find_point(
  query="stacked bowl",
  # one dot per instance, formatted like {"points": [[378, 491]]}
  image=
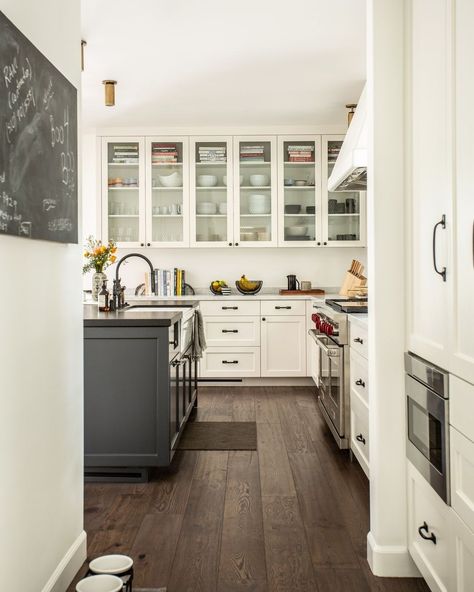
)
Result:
{"points": [[259, 203]]}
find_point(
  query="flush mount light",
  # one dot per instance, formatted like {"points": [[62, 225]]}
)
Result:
{"points": [[350, 115], [83, 44], [109, 92]]}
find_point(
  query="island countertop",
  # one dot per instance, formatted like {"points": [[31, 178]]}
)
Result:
{"points": [[127, 317]]}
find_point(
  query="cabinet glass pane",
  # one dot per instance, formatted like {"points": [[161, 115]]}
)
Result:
{"points": [[343, 206], [211, 191], [167, 191], [123, 194], [255, 191], [299, 190]]}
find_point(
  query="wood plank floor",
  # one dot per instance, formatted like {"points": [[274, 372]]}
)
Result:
{"points": [[292, 516]]}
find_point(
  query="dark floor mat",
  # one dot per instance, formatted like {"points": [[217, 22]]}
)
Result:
{"points": [[219, 435]]}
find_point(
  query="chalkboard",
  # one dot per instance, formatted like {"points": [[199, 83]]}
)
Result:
{"points": [[38, 143]]}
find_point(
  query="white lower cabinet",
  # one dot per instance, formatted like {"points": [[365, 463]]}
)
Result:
{"points": [[461, 559], [428, 532], [283, 346], [230, 331], [360, 440], [462, 477], [230, 362]]}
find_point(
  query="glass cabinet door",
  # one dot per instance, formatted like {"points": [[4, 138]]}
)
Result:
{"points": [[255, 179], [211, 191], [299, 191], [123, 191], [345, 210], [167, 192]]}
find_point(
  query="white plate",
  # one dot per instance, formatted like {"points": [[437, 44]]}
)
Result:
{"points": [[111, 564], [100, 583]]}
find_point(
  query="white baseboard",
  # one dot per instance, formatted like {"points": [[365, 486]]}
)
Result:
{"points": [[69, 565], [390, 561], [288, 381]]}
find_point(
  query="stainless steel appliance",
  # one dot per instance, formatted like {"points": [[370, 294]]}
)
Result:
{"points": [[331, 335], [427, 393]]}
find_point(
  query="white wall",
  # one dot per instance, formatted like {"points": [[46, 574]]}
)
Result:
{"points": [[41, 435]]}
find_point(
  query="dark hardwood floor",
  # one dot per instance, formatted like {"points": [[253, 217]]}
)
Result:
{"points": [[293, 516]]}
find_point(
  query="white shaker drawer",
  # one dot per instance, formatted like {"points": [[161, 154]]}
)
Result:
{"points": [[461, 406], [229, 307], [230, 331], [428, 531], [230, 362], [462, 554], [358, 339], [284, 307], [360, 440], [462, 476], [359, 375]]}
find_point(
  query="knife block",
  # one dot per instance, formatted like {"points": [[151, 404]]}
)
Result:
{"points": [[352, 282]]}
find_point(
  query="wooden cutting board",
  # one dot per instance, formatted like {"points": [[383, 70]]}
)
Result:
{"points": [[313, 292]]}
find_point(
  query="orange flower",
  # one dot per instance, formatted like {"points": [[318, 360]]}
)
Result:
{"points": [[113, 250], [113, 259], [86, 254], [103, 248]]}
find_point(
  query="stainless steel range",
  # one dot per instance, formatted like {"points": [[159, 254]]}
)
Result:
{"points": [[331, 333]]}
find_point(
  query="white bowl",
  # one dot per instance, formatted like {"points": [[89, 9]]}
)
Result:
{"points": [[111, 564], [259, 209], [259, 180], [100, 583], [248, 236], [173, 180], [223, 208], [224, 180], [207, 180], [259, 203], [296, 230], [206, 207]]}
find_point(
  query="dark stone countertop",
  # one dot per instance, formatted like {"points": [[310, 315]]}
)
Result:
{"points": [[156, 317]]}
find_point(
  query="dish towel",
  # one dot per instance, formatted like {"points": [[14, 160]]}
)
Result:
{"points": [[199, 338]]}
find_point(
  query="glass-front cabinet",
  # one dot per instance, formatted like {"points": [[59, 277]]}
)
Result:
{"points": [[167, 195], [123, 178], [344, 213], [255, 191], [211, 191], [299, 184]]}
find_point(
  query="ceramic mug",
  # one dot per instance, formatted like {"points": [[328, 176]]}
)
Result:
{"points": [[164, 210], [175, 209], [305, 285]]}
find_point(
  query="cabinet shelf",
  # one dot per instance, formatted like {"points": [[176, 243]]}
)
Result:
{"points": [[211, 215], [253, 164], [343, 215], [211, 164], [167, 215], [166, 164], [311, 164], [123, 188], [123, 215], [216, 187], [167, 188], [255, 187], [300, 215], [255, 215], [123, 164], [296, 188]]}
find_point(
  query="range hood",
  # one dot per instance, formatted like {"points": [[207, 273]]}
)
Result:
{"points": [[350, 171]]}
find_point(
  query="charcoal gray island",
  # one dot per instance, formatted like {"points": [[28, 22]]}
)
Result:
{"points": [[140, 387]]}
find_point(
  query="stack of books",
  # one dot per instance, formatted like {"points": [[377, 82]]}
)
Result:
{"points": [[168, 282], [164, 153], [125, 154], [300, 153], [333, 152], [254, 153], [212, 154]]}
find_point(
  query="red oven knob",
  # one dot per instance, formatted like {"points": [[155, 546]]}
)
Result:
{"points": [[330, 329]]}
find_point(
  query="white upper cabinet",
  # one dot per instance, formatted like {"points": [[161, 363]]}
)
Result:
{"points": [[462, 274], [429, 180], [123, 191], [299, 191], [211, 194], [255, 191], [343, 213], [167, 192]]}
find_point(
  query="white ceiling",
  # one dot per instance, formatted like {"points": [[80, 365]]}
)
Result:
{"points": [[222, 62]]}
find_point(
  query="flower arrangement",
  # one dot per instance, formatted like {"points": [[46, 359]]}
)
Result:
{"points": [[99, 256]]}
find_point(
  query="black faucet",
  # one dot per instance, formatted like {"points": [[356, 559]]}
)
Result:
{"points": [[152, 277]]}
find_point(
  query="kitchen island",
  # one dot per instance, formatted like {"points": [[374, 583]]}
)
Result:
{"points": [[140, 387]]}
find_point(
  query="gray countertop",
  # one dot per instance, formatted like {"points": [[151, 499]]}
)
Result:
{"points": [[128, 318]]}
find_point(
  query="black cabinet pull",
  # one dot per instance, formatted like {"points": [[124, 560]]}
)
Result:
{"points": [[441, 223], [360, 438], [230, 308], [230, 330], [360, 382], [282, 307], [324, 243], [230, 362], [428, 537], [142, 244], [358, 340], [230, 244], [264, 319], [236, 244], [319, 244], [148, 244]]}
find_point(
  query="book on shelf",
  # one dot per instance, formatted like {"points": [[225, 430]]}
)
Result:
{"points": [[125, 147], [169, 282]]}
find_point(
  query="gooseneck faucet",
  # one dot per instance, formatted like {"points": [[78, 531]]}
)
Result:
{"points": [[117, 277]]}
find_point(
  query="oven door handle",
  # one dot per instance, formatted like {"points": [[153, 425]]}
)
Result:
{"points": [[332, 352]]}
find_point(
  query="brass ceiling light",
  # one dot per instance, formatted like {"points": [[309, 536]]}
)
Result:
{"points": [[83, 45], [350, 115], [109, 92]]}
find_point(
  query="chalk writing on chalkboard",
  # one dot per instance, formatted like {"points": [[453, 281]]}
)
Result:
{"points": [[38, 143]]}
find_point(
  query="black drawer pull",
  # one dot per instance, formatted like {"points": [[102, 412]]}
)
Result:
{"points": [[358, 340], [360, 382], [230, 308], [230, 330], [442, 271], [280, 307], [360, 438], [424, 528], [230, 362]]}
